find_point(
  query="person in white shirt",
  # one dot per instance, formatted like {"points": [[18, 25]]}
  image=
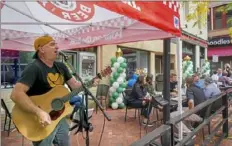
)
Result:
{"points": [[215, 77]]}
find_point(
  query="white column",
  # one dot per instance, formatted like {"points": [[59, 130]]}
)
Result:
{"points": [[206, 53], [179, 77], [197, 57], [152, 64]]}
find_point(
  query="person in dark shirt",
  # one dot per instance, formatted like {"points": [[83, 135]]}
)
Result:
{"points": [[195, 94], [39, 77], [138, 99]]}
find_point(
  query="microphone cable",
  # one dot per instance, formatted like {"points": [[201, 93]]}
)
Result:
{"points": [[103, 128]]}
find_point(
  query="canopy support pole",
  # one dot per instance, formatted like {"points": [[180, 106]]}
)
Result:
{"points": [[179, 79], [166, 139]]}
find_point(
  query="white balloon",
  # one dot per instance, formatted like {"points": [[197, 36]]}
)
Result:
{"points": [[114, 105], [119, 100], [120, 95], [120, 59], [112, 89], [116, 65], [120, 80], [115, 85], [123, 75]]}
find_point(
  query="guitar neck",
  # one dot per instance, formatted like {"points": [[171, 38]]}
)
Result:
{"points": [[77, 91]]}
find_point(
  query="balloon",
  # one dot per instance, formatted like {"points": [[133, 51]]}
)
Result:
{"points": [[119, 90], [119, 100], [114, 105], [123, 85], [111, 81], [123, 75], [112, 99], [120, 80], [116, 65], [131, 82], [113, 60], [115, 85], [116, 75], [121, 105], [112, 89], [120, 95], [120, 59], [123, 65], [120, 70], [115, 95]]}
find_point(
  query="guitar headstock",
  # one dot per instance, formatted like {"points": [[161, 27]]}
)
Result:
{"points": [[107, 71]]}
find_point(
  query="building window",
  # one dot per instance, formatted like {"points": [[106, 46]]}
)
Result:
{"points": [[136, 59], [218, 20]]}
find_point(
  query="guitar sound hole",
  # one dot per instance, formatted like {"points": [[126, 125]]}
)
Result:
{"points": [[56, 114]]}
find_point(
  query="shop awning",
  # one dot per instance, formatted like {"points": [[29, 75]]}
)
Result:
{"points": [[220, 51], [80, 24]]}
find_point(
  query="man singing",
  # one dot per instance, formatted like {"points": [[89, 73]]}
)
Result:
{"points": [[39, 77]]}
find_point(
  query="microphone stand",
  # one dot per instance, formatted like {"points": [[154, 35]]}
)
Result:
{"points": [[87, 93]]}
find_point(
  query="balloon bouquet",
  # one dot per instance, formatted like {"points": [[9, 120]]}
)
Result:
{"points": [[205, 70], [117, 80]]}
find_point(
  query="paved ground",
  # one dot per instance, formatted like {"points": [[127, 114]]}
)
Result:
{"points": [[116, 133]]}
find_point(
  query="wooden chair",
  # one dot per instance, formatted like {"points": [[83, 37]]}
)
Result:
{"points": [[102, 94]]}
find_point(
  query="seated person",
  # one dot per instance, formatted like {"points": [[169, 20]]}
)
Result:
{"points": [[137, 99], [215, 76], [226, 81], [173, 84], [194, 93], [211, 90], [151, 90], [197, 81]]}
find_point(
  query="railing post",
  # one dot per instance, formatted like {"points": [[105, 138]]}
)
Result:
{"points": [[225, 115]]}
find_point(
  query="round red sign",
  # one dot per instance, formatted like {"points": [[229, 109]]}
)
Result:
{"points": [[70, 10]]}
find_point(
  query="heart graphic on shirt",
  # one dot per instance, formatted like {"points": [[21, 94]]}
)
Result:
{"points": [[55, 79]]}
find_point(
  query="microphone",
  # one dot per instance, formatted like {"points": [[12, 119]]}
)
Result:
{"points": [[64, 55]]}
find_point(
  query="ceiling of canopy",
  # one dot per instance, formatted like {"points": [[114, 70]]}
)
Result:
{"points": [[76, 24]]}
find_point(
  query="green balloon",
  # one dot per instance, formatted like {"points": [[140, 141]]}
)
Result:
{"points": [[123, 85], [112, 80], [123, 65], [116, 75], [119, 90], [115, 95], [121, 105], [113, 60], [112, 100], [120, 70]]}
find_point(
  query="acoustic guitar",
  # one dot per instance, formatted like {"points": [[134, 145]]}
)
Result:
{"points": [[55, 102]]}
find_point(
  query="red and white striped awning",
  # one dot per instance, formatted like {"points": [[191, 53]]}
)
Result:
{"points": [[83, 24]]}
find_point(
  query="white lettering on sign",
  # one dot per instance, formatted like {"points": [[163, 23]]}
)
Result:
{"points": [[132, 4], [91, 40], [219, 42], [85, 8]]}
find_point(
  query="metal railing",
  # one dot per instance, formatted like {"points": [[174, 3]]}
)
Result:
{"points": [[149, 139]]}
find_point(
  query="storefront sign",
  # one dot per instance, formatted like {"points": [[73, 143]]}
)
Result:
{"points": [[215, 58], [220, 41]]}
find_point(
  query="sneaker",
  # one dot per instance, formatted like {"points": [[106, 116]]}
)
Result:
{"points": [[145, 123]]}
